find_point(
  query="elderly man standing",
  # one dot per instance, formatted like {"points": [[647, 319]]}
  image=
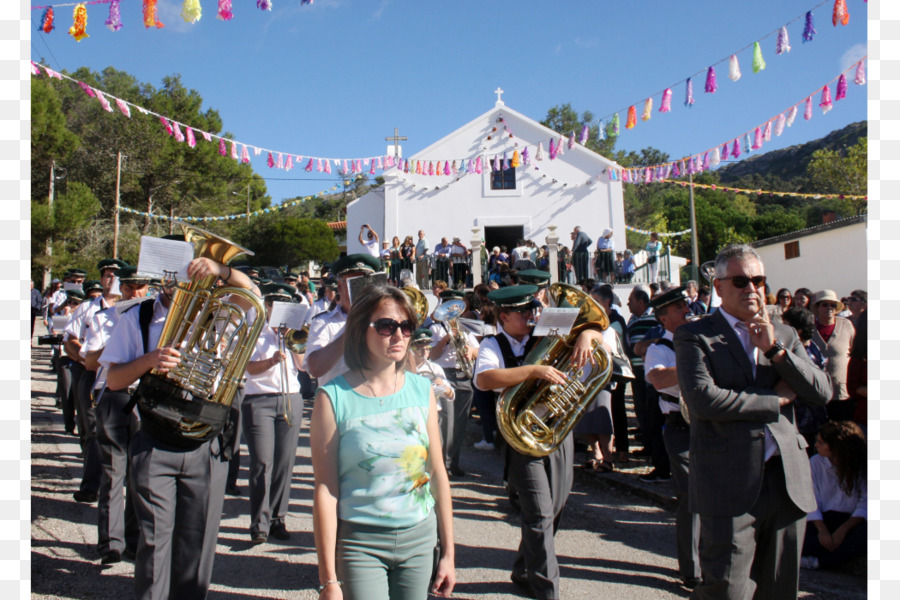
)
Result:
{"points": [[834, 337], [422, 260], [581, 254], [749, 476]]}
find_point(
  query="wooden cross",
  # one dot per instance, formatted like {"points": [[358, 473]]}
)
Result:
{"points": [[499, 92], [397, 138]]}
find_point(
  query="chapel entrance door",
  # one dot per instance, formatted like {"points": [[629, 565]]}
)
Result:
{"points": [[506, 235]]}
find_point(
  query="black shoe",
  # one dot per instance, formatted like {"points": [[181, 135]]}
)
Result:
{"points": [[113, 556], [456, 472], [258, 538], [129, 553], [521, 582], [655, 476], [279, 531], [690, 582], [233, 490], [86, 497]]}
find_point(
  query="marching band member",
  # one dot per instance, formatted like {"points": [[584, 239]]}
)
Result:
{"points": [[271, 437]]}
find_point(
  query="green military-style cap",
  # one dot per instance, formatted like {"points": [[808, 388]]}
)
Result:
{"points": [[74, 295], [534, 277], [110, 263], [277, 291], [328, 282], [78, 272], [92, 285], [513, 295], [669, 297], [452, 295], [128, 274], [355, 263], [423, 334], [291, 275]]}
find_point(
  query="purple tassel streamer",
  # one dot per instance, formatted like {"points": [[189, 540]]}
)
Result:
{"points": [[783, 44], [552, 149], [648, 175], [860, 78], [807, 111], [264, 4], [825, 102], [114, 20], [689, 93], [706, 160], [676, 172], [666, 104], [496, 165], [736, 149], [711, 85], [505, 162], [757, 139], [841, 88], [525, 157], [809, 31], [725, 151], [690, 167], [585, 134], [571, 140]]}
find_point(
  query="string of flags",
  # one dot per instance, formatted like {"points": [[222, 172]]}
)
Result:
{"points": [[191, 12], [748, 141], [610, 125], [658, 233], [815, 196]]}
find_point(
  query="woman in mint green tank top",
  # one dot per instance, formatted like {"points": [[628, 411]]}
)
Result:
{"points": [[382, 496]]}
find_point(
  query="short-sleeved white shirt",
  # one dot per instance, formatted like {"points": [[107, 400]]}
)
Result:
{"points": [[269, 381], [323, 331], [490, 356], [102, 325], [371, 246], [447, 359], [81, 317], [662, 357], [125, 342]]}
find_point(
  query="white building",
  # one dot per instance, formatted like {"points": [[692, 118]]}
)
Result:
{"points": [[828, 256], [572, 189]]}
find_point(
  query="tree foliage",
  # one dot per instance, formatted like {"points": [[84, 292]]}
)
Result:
{"points": [[67, 223], [565, 120], [842, 172], [285, 240]]}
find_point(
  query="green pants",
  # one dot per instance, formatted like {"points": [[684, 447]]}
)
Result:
{"points": [[380, 563]]}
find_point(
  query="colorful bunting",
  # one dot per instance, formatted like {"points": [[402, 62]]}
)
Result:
{"points": [[825, 102], [809, 30], [191, 11], [648, 109], [631, 121], [46, 24], [783, 45], [689, 93], [840, 14], [114, 20], [150, 20], [666, 104], [225, 13], [79, 16], [758, 62], [711, 85]]}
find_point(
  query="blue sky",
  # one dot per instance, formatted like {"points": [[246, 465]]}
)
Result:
{"points": [[333, 79]]}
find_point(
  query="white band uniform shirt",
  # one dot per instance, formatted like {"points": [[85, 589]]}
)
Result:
{"points": [[323, 331], [269, 381], [101, 328], [81, 317], [663, 357], [58, 298], [447, 359], [126, 343], [490, 356]]}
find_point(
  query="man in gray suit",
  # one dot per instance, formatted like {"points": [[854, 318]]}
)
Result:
{"points": [[749, 474]]}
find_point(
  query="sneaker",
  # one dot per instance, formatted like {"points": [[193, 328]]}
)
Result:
{"points": [[484, 445], [655, 476], [809, 562]]}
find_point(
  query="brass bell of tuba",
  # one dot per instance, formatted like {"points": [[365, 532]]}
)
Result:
{"points": [[419, 303], [535, 416], [215, 338]]}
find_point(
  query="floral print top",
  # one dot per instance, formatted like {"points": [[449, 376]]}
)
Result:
{"points": [[382, 455]]}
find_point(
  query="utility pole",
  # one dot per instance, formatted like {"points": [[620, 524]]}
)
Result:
{"points": [[116, 211], [695, 251], [49, 250], [248, 203]]}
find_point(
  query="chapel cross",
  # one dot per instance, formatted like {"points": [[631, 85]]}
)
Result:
{"points": [[397, 138], [499, 92]]}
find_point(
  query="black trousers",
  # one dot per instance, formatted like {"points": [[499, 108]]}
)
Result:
{"points": [[87, 429], [117, 526]]}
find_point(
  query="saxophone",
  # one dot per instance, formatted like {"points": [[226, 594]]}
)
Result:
{"points": [[535, 416]]}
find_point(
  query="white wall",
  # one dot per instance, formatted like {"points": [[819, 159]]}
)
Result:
{"points": [[833, 259]]}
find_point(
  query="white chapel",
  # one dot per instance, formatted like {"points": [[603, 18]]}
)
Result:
{"points": [[520, 192]]}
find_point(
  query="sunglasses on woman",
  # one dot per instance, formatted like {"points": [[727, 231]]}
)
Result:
{"points": [[387, 327], [741, 281]]}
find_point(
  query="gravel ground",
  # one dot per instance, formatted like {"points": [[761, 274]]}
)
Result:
{"points": [[616, 541]]}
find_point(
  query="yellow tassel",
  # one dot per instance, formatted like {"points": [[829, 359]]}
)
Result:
{"points": [[80, 17]]}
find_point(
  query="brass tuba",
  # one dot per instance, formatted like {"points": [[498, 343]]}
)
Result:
{"points": [[535, 416], [419, 303], [215, 340], [448, 313]]}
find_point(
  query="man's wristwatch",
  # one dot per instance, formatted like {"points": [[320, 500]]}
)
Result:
{"points": [[775, 349]]}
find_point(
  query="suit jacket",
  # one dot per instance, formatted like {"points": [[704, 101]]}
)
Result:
{"points": [[730, 409]]}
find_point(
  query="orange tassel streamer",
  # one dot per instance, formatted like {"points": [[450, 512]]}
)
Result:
{"points": [[632, 117], [150, 19], [80, 17], [516, 161], [840, 14]]}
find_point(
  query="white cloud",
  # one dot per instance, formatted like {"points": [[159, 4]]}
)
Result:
{"points": [[583, 43], [853, 56], [169, 14]]}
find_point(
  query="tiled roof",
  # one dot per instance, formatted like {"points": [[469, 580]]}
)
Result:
{"points": [[809, 231]]}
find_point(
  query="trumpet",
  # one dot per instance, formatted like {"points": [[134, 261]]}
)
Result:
{"points": [[293, 341]]}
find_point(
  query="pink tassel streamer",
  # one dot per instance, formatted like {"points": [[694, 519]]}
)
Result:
{"points": [[225, 13], [189, 136], [104, 102], [206, 136], [807, 111], [289, 163], [825, 103], [234, 151], [666, 104], [689, 93], [841, 92], [279, 164], [319, 167], [767, 131], [447, 167], [757, 139], [711, 85], [309, 166], [860, 78], [478, 168], [222, 149], [779, 124], [168, 127], [572, 140], [87, 89], [245, 154], [179, 137], [123, 107], [736, 149], [328, 166]]}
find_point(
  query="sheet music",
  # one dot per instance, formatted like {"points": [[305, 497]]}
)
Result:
{"points": [[159, 256], [115, 290], [289, 314], [60, 322], [69, 286], [560, 319], [357, 285]]}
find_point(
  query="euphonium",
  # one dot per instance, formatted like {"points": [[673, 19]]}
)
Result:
{"points": [[419, 303], [535, 416], [215, 340], [448, 312]]}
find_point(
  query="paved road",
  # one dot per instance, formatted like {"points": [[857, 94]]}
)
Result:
{"points": [[617, 539]]}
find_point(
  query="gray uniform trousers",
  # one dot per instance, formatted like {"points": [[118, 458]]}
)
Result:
{"points": [[677, 437], [461, 407], [87, 428], [273, 449], [117, 528], [64, 390], [178, 500], [543, 486], [234, 465]]}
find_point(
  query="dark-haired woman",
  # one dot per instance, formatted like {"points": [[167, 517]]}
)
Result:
{"points": [[382, 496], [802, 297], [836, 531]]}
